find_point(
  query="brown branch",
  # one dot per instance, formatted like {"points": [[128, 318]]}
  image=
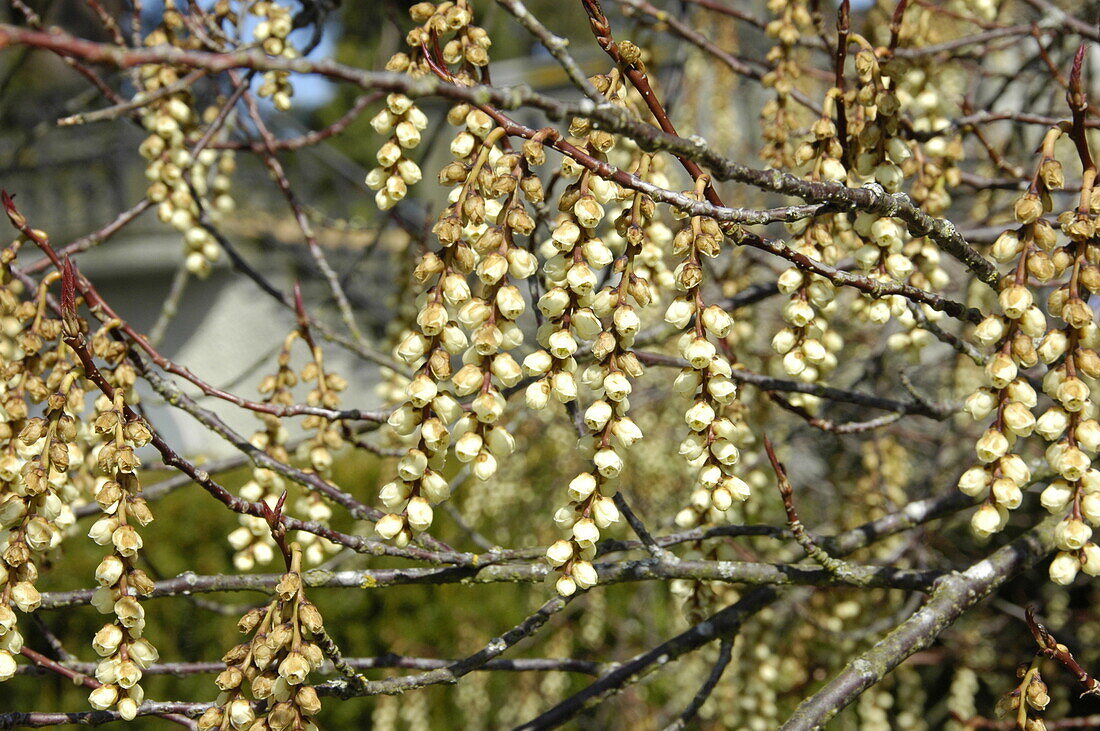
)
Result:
{"points": [[841, 569], [1050, 647]]}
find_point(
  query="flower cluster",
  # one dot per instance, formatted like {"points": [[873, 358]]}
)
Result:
{"points": [[126, 652], [490, 316], [1070, 424], [877, 152], [575, 253], [403, 121], [252, 541], [272, 33], [274, 665], [639, 225], [1023, 703], [175, 175], [464, 46], [1002, 474], [807, 343], [327, 437], [921, 86], [474, 216], [611, 431], [709, 447], [37, 453], [877, 148], [791, 20]]}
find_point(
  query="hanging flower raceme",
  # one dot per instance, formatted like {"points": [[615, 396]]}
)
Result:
{"points": [[709, 447], [121, 643], [923, 88], [490, 316], [807, 343], [326, 438], [33, 514], [448, 25], [575, 254], [36, 453], [181, 183], [429, 410], [272, 32], [877, 153], [1002, 474], [252, 541], [791, 21], [611, 431], [464, 50], [1070, 425], [403, 121], [273, 666]]}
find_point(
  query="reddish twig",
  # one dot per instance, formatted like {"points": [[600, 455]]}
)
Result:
{"points": [[1050, 647], [835, 566]]}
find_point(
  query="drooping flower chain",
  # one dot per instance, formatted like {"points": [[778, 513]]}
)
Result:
{"points": [[126, 652], [37, 452], [274, 665]]}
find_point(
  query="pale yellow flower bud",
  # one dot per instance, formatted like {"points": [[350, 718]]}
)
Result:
{"points": [[699, 352], [1007, 493], [736, 487], [626, 432], [559, 553], [1063, 569], [986, 521], [589, 213], [1071, 535], [617, 386], [564, 387], [700, 416], [1019, 419], [389, 526], [488, 406], [419, 514], [26, 597], [679, 313], [1071, 463], [990, 330], [975, 482], [537, 395], [1090, 559], [784, 340], [565, 586], [1001, 370], [597, 415], [725, 452], [109, 570], [605, 512], [1088, 435], [102, 697], [584, 574], [1053, 346], [412, 465], [585, 530], [484, 466], [1057, 496], [608, 462], [1090, 507], [1015, 300]]}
